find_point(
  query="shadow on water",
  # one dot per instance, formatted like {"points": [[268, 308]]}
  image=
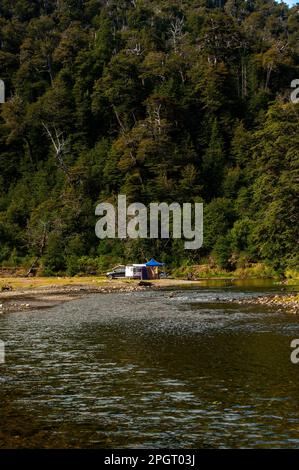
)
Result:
{"points": [[153, 369]]}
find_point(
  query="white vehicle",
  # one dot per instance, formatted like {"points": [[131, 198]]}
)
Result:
{"points": [[136, 271]]}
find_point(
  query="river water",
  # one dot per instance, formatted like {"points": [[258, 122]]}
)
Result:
{"points": [[183, 368]]}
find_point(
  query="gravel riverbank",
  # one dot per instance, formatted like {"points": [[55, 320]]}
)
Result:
{"points": [[18, 300], [289, 302], [24, 294]]}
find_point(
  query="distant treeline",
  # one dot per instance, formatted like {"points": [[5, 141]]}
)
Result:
{"points": [[161, 100]]}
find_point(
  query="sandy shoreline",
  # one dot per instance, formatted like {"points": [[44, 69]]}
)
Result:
{"points": [[22, 294], [43, 297], [30, 294]]}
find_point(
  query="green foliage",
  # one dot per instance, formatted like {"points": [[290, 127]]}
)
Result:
{"points": [[161, 100], [222, 252]]}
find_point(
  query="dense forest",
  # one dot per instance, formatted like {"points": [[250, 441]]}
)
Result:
{"points": [[161, 100]]}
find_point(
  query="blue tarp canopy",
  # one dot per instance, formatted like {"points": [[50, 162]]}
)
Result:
{"points": [[154, 263]]}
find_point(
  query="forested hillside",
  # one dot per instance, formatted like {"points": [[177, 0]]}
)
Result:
{"points": [[169, 100]]}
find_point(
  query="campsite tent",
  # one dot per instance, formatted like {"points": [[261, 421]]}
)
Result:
{"points": [[153, 268], [154, 264]]}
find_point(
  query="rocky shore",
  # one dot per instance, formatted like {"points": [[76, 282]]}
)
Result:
{"points": [[283, 302], [19, 300], [21, 294]]}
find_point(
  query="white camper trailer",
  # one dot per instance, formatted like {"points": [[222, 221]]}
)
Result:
{"points": [[135, 271]]}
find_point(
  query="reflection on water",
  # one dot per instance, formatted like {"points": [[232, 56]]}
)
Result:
{"points": [[154, 369]]}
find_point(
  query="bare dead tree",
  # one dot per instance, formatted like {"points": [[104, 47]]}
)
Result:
{"points": [[136, 49], [244, 79], [41, 245], [59, 144], [269, 72], [176, 32], [155, 118], [121, 125], [279, 52], [124, 133]]}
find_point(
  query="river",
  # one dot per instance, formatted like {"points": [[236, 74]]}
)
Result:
{"points": [[180, 369]]}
